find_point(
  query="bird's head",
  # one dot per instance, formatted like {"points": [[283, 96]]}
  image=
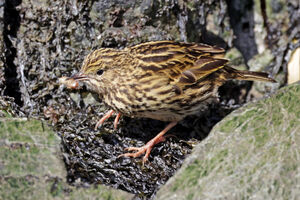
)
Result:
{"points": [[96, 69]]}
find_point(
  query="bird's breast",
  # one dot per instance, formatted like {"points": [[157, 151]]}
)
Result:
{"points": [[158, 100]]}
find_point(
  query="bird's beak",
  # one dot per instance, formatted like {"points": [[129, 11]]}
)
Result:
{"points": [[78, 77], [73, 82]]}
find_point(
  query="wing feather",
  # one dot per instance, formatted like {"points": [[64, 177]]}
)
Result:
{"points": [[183, 63]]}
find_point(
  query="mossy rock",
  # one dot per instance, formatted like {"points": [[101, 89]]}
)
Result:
{"points": [[31, 165], [251, 154]]}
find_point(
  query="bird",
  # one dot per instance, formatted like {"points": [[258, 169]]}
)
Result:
{"points": [[161, 80]]}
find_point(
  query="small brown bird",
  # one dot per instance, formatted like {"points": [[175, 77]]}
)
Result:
{"points": [[162, 80]]}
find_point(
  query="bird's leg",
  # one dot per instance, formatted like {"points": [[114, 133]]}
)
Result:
{"points": [[117, 120], [147, 147], [105, 117]]}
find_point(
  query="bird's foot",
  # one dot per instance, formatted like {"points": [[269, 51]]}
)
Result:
{"points": [[116, 121], [147, 147], [106, 116], [144, 149]]}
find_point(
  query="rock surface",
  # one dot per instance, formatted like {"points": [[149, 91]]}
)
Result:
{"points": [[44, 40], [253, 153], [31, 165]]}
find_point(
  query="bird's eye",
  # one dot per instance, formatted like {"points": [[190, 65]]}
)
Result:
{"points": [[100, 72]]}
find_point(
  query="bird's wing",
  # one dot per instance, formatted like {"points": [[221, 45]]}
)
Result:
{"points": [[183, 63]]}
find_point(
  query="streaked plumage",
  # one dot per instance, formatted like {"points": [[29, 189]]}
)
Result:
{"points": [[162, 80]]}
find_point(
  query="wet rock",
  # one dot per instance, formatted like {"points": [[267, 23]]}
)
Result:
{"points": [[251, 153]]}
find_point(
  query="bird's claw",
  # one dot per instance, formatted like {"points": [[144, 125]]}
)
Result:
{"points": [[139, 151], [105, 117], [98, 125]]}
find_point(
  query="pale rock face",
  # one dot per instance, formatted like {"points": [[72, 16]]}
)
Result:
{"points": [[251, 153]]}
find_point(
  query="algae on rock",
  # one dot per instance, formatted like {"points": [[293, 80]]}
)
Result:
{"points": [[31, 165], [251, 153]]}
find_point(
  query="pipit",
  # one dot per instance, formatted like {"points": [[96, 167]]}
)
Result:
{"points": [[162, 80]]}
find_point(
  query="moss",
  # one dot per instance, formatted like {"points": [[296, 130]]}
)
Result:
{"points": [[244, 127], [56, 188], [199, 169], [261, 136], [229, 126], [190, 196], [253, 152], [31, 167], [16, 187], [248, 114]]}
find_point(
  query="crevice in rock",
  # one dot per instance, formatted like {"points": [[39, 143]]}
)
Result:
{"points": [[11, 26], [241, 16]]}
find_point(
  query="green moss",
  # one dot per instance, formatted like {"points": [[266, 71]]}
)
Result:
{"points": [[248, 114], [190, 196], [230, 125], [261, 136], [31, 169], [20, 160], [16, 187], [57, 188], [253, 152], [244, 127], [199, 169]]}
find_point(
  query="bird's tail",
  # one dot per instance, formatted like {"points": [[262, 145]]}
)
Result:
{"points": [[248, 75]]}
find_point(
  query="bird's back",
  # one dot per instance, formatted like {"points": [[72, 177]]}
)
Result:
{"points": [[164, 82], [168, 80]]}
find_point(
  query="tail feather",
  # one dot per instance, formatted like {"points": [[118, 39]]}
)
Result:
{"points": [[249, 75]]}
